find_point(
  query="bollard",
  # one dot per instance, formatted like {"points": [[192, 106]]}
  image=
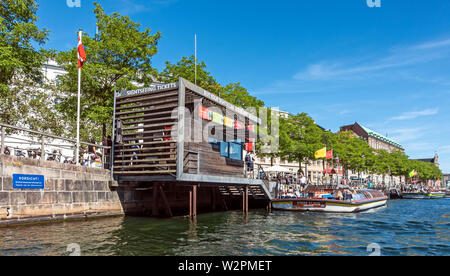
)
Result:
{"points": [[3, 141], [42, 148], [103, 158]]}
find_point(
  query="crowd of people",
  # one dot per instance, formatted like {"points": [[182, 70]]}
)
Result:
{"points": [[296, 192], [90, 156], [418, 188]]}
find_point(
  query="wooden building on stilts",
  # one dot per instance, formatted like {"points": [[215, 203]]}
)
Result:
{"points": [[179, 149]]}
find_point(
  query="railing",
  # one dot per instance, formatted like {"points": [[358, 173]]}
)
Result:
{"points": [[259, 174], [40, 153]]}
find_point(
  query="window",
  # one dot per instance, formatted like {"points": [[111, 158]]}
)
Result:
{"points": [[58, 79], [232, 150], [224, 152], [235, 151]]}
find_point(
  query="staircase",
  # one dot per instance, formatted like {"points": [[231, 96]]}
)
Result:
{"points": [[259, 191]]}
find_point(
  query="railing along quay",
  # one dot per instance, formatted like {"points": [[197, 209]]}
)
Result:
{"points": [[42, 143]]}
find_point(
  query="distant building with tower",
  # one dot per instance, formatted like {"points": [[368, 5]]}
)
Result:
{"points": [[434, 160]]}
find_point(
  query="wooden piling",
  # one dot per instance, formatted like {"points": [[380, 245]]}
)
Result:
{"points": [[213, 199], [245, 200], [155, 205], [166, 202], [193, 202]]}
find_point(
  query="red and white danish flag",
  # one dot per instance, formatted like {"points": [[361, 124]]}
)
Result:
{"points": [[81, 52]]}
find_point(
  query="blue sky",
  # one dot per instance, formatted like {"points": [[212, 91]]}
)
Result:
{"points": [[338, 60]]}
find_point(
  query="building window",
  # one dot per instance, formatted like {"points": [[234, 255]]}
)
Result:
{"points": [[58, 79]]}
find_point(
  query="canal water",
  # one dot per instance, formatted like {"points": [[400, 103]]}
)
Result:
{"points": [[405, 227]]}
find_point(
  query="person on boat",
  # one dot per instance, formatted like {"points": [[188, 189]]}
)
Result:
{"points": [[277, 190], [348, 195], [339, 195], [302, 180]]}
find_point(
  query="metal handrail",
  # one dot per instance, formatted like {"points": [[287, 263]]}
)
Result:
{"points": [[43, 135]]}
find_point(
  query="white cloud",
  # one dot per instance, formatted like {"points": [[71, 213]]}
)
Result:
{"points": [[433, 44], [403, 135], [345, 112], [420, 147], [444, 149], [397, 58], [415, 114], [129, 7]]}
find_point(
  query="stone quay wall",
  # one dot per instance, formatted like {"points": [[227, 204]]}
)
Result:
{"points": [[71, 192]]}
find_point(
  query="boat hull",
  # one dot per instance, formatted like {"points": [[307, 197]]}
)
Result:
{"points": [[327, 206], [424, 196]]}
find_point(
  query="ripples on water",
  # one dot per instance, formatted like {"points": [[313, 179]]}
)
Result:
{"points": [[406, 227]]}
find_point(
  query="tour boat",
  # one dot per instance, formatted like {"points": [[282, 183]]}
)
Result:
{"points": [[431, 195], [323, 200]]}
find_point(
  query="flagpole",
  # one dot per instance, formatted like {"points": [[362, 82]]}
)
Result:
{"points": [[195, 59], [78, 112]]}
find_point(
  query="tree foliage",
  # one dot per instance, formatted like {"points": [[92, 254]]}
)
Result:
{"points": [[300, 138], [118, 58], [234, 93], [20, 62], [355, 154]]}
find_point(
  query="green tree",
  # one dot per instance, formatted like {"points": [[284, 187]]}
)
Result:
{"points": [[427, 171], [118, 58], [399, 166], [300, 138], [233, 92], [20, 62], [352, 151], [185, 68], [239, 96], [267, 145]]}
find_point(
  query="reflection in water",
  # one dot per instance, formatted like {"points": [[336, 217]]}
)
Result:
{"points": [[408, 227]]}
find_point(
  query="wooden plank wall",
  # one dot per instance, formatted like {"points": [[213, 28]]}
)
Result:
{"points": [[147, 147], [211, 163]]}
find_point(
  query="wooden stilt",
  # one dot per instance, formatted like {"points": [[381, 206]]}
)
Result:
{"points": [[193, 202], [155, 201], [245, 200], [222, 201], [190, 203], [213, 199], [224, 204], [166, 202]]}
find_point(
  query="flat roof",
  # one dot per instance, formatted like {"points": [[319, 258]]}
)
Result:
{"points": [[192, 87]]}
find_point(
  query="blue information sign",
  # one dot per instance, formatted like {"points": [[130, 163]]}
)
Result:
{"points": [[23, 181]]}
